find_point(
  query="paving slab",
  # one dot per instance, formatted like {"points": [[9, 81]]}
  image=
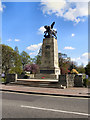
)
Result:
{"points": [[71, 92]]}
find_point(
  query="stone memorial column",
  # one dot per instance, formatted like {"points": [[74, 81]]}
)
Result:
{"points": [[49, 63]]}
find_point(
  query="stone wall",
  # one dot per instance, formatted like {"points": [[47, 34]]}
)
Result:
{"points": [[78, 81], [71, 80], [11, 78], [62, 80]]}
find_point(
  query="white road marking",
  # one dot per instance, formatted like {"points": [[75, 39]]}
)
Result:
{"points": [[53, 110], [45, 95]]}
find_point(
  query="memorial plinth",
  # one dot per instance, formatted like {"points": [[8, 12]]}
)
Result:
{"points": [[49, 62]]}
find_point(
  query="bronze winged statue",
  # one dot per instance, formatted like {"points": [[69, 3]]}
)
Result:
{"points": [[49, 33]]}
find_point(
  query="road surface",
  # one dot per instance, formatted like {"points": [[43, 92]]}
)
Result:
{"points": [[19, 105]]}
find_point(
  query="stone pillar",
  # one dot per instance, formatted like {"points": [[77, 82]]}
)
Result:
{"points": [[15, 77], [11, 78], [49, 63]]}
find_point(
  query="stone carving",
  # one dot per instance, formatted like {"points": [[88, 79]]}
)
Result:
{"points": [[49, 33]]}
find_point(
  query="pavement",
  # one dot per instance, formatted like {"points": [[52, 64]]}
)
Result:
{"points": [[70, 92]]}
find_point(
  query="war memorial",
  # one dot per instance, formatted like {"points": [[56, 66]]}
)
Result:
{"points": [[49, 69], [49, 63]]}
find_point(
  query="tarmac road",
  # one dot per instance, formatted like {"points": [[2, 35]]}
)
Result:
{"points": [[19, 105]]}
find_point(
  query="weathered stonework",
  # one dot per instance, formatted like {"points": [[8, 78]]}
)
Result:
{"points": [[11, 78], [78, 81], [49, 64], [71, 80]]}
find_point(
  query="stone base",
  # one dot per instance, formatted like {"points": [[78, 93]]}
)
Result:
{"points": [[47, 76], [50, 70]]}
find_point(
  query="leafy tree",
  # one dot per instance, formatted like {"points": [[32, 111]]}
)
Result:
{"points": [[37, 59], [25, 58], [33, 68], [87, 69], [81, 69], [64, 70], [33, 60], [7, 58], [17, 63], [61, 59], [64, 62], [72, 65], [11, 61]]}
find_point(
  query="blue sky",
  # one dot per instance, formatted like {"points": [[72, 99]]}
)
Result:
{"points": [[22, 26]]}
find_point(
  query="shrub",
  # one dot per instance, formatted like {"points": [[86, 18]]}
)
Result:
{"points": [[89, 84], [33, 68], [3, 80], [85, 82], [25, 77]]}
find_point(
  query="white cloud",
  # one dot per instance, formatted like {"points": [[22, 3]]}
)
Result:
{"points": [[9, 40], [72, 34], [83, 59], [85, 54], [2, 7], [41, 30], [32, 53], [34, 47], [71, 10], [16, 40], [69, 48]]}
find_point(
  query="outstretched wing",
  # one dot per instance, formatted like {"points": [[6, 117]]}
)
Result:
{"points": [[52, 25]]}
